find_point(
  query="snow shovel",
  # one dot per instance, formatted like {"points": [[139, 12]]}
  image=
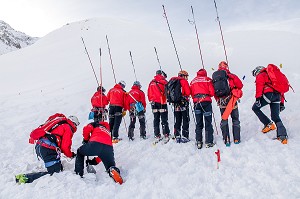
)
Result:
{"points": [[90, 168]]}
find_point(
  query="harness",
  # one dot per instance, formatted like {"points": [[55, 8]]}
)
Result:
{"points": [[46, 143]]}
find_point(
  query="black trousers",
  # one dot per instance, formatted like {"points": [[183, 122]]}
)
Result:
{"points": [[181, 115], [115, 119], [160, 112], [141, 116], [204, 110], [236, 128], [103, 151], [273, 99]]}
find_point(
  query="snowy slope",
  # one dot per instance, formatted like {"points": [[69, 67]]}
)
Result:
{"points": [[54, 75], [11, 39]]}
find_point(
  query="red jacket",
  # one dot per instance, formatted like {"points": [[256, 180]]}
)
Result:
{"points": [[64, 134], [138, 94], [262, 82], [117, 96], [94, 132], [185, 88], [98, 100], [156, 90], [202, 85]]}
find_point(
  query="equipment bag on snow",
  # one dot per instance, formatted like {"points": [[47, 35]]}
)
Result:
{"points": [[173, 91], [220, 82], [278, 80], [46, 128]]}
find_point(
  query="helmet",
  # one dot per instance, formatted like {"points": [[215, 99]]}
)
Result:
{"points": [[257, 70], [122, 83], [101, 88], [183, 73], [223, 64], [74, 119], [137, 83], [160, 72]]}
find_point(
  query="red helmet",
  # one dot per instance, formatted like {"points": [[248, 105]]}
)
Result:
{"points": [[223, 65]]}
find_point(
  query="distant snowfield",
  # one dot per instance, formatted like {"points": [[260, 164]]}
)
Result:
{"points": [[54, 75]]}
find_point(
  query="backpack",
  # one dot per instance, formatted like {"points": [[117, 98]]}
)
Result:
{"points": [[46, 128], [220, 82], [279, 81], [173, 91]]}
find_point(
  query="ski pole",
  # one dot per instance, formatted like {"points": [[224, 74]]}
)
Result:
{"points": [[218, 19], [165, 16], [213, 114], [195, 26], [157, 58], [112, 66], [132, 65], [89, 59]]}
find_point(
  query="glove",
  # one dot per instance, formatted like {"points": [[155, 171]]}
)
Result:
{"points": [[123, 113], [91, 162], [84, 141], [257, 102], [282, 107], [73, 155]]}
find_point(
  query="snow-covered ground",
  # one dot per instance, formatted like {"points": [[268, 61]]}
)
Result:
{"points": [[54, 75]]}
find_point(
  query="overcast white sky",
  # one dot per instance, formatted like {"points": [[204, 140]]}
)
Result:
{"points": [[39, 17]]}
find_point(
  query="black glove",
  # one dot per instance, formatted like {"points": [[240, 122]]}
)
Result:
{"points": [[84, 141], [73, 155], [91, 162], [282, 107], [257, 102]]}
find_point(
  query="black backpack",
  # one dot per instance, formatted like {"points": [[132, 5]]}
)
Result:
{"points": [[220, 82], [173, 91]]}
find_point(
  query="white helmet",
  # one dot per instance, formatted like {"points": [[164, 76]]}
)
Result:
{"points": [[74, 119]]}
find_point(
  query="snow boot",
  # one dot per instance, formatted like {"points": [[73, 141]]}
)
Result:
{"points": [[237, 141], [21, 178], [114, 173], [269, 127], [115, 140], [283, 139], [199, 144], [209, 145]]}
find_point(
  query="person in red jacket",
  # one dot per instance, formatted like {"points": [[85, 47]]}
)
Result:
{"points": [[99, 102], [181, 108], [135, 98], [97, 142], [202, 90], [234, 83], [157, 98], [50, 147], [265, 95], [117, 98]]}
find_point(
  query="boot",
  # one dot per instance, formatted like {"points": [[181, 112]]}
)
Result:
{"points": [[269, 127], [114, 173], [199, 144], [131, 134], [21, 178]]}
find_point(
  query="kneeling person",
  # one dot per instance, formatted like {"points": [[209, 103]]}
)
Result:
{"points": [[97, 142]]}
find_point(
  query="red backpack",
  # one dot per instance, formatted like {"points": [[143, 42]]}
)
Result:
{"points": [[279, 81], [46, 128]]}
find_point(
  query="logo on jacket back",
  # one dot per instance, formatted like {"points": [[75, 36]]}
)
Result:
{"points": [[220, 82]]}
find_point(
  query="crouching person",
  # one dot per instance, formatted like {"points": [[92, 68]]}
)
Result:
{"points": [[97, 142], [50, 146]]}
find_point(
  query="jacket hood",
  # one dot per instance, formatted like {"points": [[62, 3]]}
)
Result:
{"points": [[118, 86], [135, 87], [202, 73], [159, 77]]}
